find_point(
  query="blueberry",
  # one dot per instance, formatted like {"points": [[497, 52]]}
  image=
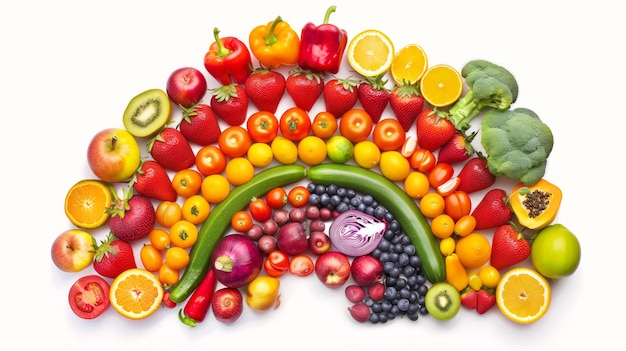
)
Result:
{"points": [[320, 189], [403, 305], [390, 293]]}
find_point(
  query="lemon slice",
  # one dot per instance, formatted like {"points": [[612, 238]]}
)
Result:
{"points": [[441, 85], [523, 295], [409, 64], [370, 53]]}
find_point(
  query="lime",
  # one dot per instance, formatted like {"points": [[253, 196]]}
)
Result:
{"points": [[339, 149], [555, 252]]}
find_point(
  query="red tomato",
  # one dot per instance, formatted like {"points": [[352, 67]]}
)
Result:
{"points": [[301, 265], [241, 221], [276, 263], [458, 204], [389, 134], [234, 141], [262, 126], [324, 125], [89, 296], [210, 160], [441, 173], [422, 160], [259, 209], [295, 124], [356, 125], [277, 198], [298, 196]]}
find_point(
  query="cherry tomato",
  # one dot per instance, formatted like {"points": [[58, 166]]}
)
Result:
{"points": [[89, 296], [183, 234], [324, 125], [295, 124], [176, 258], [356, 125], [389, 134], [262, 126], [298, 196], [210, 160], [465, 225], [301, 265], [151, 258], [277, 198], [159, 238], [241, 221], [458, 204], [196, 209], [441, 173], [168, 213], [234, 141], [259, 209], [276, 263], [187, 182], [422, 160], [168, 275]]}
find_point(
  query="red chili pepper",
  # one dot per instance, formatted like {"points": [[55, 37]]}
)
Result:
{"points": [[322, 47], [200, 301], [228, 60]]}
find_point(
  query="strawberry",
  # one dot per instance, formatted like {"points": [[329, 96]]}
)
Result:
{"points": [[493, 210], [113, 256], [199, 125], [340, 95], [373, 96], [469, 298], [485, 301], [151, 180], [434, 129], [171, 149], [132, 217], [304, 87], [406, 103], [457, 149], [230, 103], [475, 175], [265, 89], [509, 247]]}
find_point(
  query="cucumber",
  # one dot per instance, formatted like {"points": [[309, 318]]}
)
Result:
{"points": [[215, 226], [390, 195]]}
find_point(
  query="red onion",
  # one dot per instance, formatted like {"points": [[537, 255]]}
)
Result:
{"points": [[366, 270], [236, 260], [356, 233], [291, 238]]}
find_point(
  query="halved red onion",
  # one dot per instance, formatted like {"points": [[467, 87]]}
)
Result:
{"points": [[356, 233]]}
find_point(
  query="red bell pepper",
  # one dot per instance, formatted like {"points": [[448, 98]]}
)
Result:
{"points": [[200, 301], [322, 47], [228, 60]]}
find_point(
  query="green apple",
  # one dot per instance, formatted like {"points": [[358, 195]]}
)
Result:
{"points": [[72, 250], [555, 252], [114, 155]]}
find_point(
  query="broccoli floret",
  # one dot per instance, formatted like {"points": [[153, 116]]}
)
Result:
{"points": [[517, 144], [490, 86]]}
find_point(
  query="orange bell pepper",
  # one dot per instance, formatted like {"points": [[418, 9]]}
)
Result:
{"points": [[275, 44]]}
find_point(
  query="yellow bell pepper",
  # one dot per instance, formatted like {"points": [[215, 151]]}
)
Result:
{"points": [[275, 44]]}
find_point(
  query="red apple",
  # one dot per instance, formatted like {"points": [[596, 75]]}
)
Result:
{"points": [[227, 304], [72, 250], [114, 155], [186, 86], [332, 268]]}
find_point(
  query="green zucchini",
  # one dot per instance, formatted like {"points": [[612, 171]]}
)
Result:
{"points": [[218, 222], [395, 199]]}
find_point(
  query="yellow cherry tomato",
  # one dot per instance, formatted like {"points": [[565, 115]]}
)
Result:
{"points": [[183, 234], [168, 213], [196, 209], [490, 276], [176, 258], [151, 258]]}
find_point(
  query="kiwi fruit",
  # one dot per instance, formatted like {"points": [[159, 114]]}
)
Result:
{"points": [[147, 113], [443, 301]]}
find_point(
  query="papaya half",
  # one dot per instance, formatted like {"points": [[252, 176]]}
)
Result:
{"points": [[537, 205]]}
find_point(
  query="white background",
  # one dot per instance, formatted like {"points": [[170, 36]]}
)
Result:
{"points": [[69, 69]]}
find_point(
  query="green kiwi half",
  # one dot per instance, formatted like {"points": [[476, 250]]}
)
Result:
{"points": [[443, 301], [147, 113]]}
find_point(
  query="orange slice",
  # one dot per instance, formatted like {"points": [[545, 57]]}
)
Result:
{"points": [[523, 295], [86, 203], [136, 293], [441, 85], [408, 65], [370, 53]]}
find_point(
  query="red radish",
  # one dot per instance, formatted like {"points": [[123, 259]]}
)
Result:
{"points": [[291, 239], [319, 242], [377, 291], [366, 270], [266, 243]]}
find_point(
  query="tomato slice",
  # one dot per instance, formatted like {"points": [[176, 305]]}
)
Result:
{"points": [[301, 265], [89, 296]]}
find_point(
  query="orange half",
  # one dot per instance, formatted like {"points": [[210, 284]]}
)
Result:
{"points": [[408, 65], [136, 293], [86, 203], [441, 85]]}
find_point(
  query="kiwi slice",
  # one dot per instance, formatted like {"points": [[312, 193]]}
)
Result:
{"points": [[443, 301], [147, 113]]}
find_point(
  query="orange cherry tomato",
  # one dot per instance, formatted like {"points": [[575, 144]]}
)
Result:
{"points": [[458, 204], [241, 221], [176, 258], [276, 263], [234, 141], [301, 265], [210, 160], [422, 160], [465, 225], [277, 198], [168, 213], [389, 134], [168, 275], [356, 125], [151, 258], [196, 209], [262, 126], [324, 125], [159, 238], [183, 234], [298, 196], [187, 182], [441, 173], [295, 124]]}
